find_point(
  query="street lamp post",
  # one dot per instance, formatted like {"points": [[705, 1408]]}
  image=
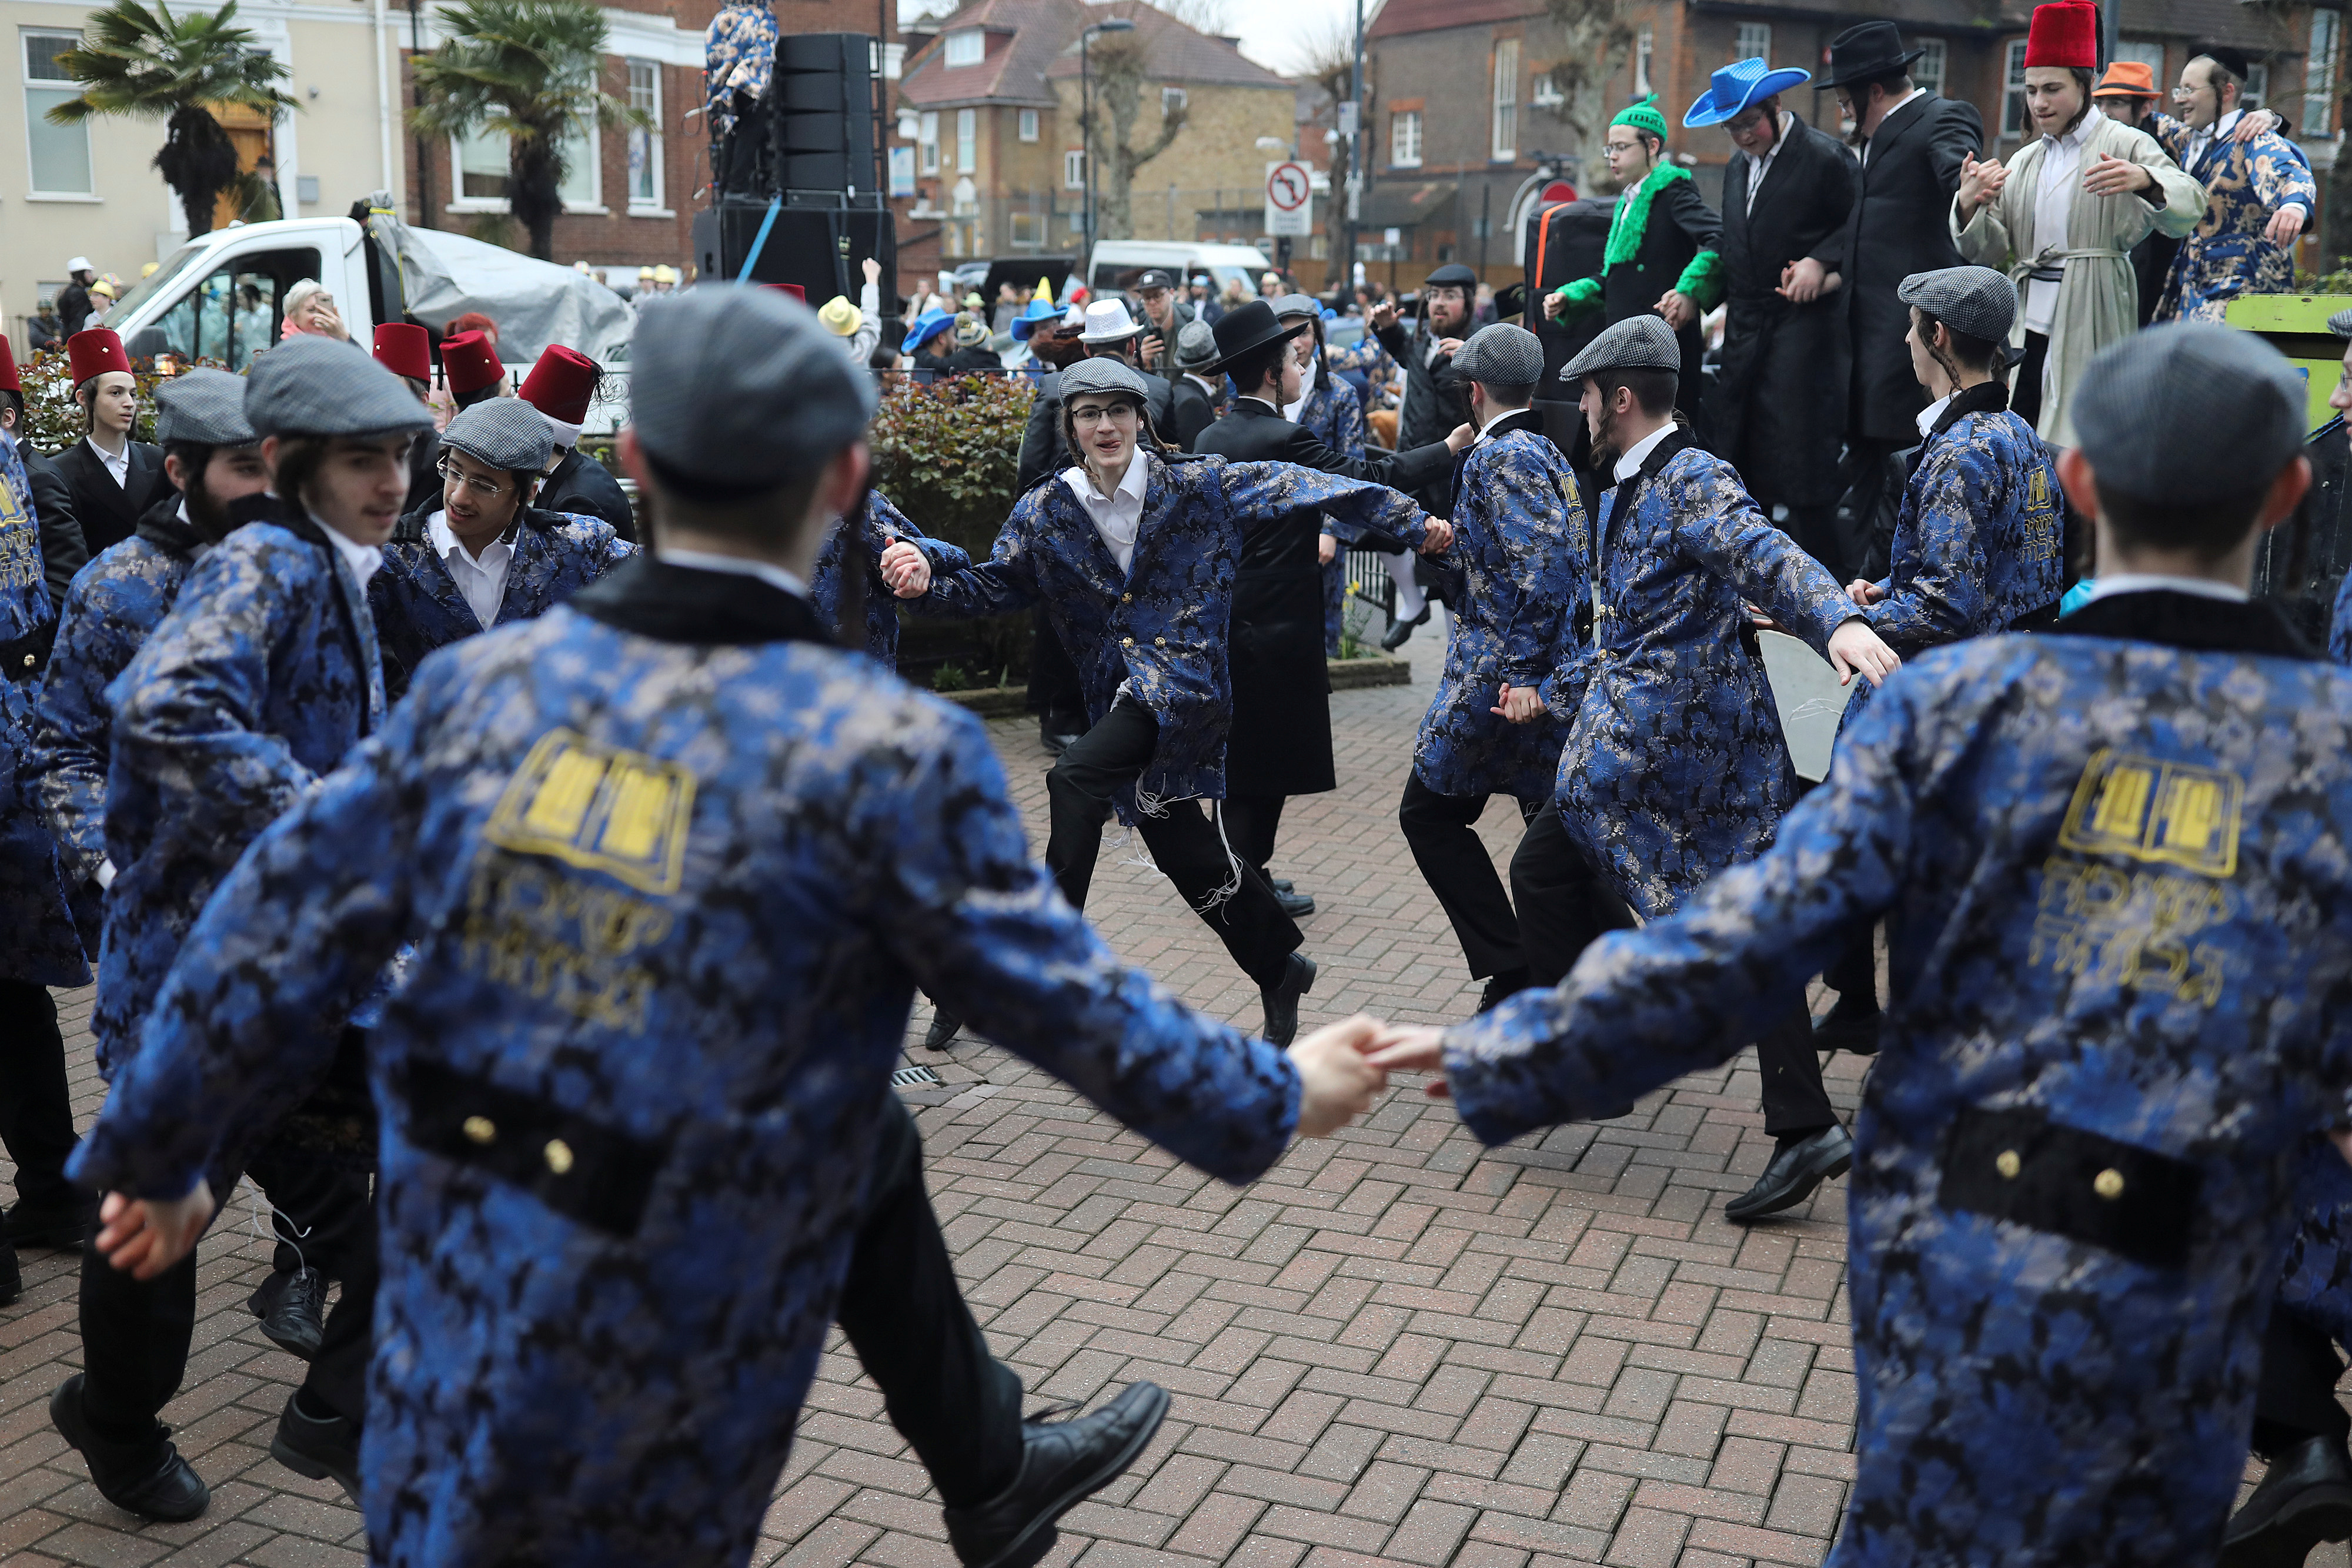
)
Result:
{"points": [[1087, 127]]}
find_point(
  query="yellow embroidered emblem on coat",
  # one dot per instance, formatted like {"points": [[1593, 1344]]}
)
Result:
{"points": [[2172, 813], [600, 808]]}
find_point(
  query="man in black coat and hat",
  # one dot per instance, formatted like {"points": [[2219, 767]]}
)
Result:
{"points": [[1779, 402], [1913, 142], [1280, 743], [1435, 402]]}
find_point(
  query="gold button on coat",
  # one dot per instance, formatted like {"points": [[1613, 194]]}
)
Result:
{"points": [[2108, 1183], [1127, 598], [2008, 1164], [1159, 641], [480, 1129], [1127, 641], [559, 1155]]}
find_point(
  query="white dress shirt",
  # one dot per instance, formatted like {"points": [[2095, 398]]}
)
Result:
{"points": [[2053, 205], [1883, 119], [1119, 515], [2153, 582], [1501, 415], [1627, 466], [2201, 142], [117, 463], [1932, 413], [774, 576], [1759, 167], [482, 578], [362, 558]]}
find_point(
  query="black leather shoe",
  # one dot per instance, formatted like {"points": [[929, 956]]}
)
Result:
{"points": [[147, 1478], [1855, 1033], [1500, 987], [943, 1030], [1393, 638], [1061, 1463], [1281, 885], [1796, 1170], [292, 1308], [2305, 1497], [321, 1448], [11, 1281], [64, 1226], [1297, 906], [1281, 998], [1055, 734]]}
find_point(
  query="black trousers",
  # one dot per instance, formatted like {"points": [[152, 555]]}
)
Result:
{"points": [[2296, 1399], [1184, 843], [1853, 976], [1250, 823], [1454, 862], [1565, 906], [135, 1334], [1054, 689], [1865, 515], [956, 1405], [36, 1111], [2025, 400]]}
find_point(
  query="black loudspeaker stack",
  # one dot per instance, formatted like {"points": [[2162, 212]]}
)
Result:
{"points": [[820, 249]]}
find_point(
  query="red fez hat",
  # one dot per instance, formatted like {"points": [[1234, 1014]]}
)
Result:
{"points": [[94, 351], [405, 349], [9, 380], [560, 384], [2065, 33], [469, 362]]}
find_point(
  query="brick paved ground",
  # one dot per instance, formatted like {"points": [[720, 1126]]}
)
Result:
{"points": [[1396, 1348]]}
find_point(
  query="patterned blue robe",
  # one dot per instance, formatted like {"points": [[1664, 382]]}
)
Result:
{"points": [[879, 526], [262, 675], [1336, 415], [37, 940], [2228, 254], [1521, 536], [1160, 628], [1675, 768], [676, 897], [2114, 873]]}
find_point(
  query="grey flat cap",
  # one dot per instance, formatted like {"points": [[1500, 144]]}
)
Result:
{"points": [[1104, 375], [1291, 304], [1972, 299], [1196, 346], [505, 433], [204, 408], [2341, 323], [313, 385], [1503, 355], [1637, 343], [2188, 413], [742, 387]]}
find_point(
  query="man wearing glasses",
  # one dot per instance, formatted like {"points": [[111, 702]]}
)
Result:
{"points": [[2259, 192]]}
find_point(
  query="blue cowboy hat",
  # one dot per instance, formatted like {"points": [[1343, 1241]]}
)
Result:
{"points": [[927, 326], [1736, 86], [1037, 313]]}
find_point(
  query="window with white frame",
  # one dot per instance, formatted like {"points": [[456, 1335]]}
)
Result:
{"points": [[2319, 75], [967, 140], [1927, 70], [1404, 139], [645, 144], [927, 140], [1073, 169], [59, 153], [1172, 101], [1506, 139], [2012, 96], [1547, 94], [1752, 41], [967, 48], [482, 162], [1028, 125], [2258, 86], [1645, 42]]}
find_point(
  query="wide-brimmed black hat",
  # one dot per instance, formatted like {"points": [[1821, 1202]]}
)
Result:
{"points": [[1252, 326], [1868, 50]]}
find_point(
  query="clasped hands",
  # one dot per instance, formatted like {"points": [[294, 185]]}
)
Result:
{"points": [[1342, 1067]]}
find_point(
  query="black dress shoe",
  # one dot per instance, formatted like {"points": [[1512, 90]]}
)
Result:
{"points": [[1499, 988], [148, 1478], [2305, 1497], [1281, 885], [11, 1281], [323, 1447], [292, 1308], [1855, 1033], [64, 1226], [1281, 998], [1796, 1170], [1297, 906], [1057, 735], [1393, 638], [1061, 1463], [943, 1030]]}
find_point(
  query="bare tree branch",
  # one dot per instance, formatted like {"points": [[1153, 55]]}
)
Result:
{"points": [[1595, 42]]}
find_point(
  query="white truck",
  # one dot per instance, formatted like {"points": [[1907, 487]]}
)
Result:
{"points": [[219, 296]]}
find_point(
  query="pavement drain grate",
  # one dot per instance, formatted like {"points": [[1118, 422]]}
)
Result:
{"points": [[914, 1077]]}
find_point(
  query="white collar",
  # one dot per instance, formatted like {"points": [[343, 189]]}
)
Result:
{"points": [[1630, 464], [1893, 107], [1494, 422], [774, 576], [1203, 382], [1131, 484], [1267, 403], [1781, 140], [2075, 138], [445, 542], [111, 459], [1932, 413], [362, 558], [2223, 126], [2157, 581]]}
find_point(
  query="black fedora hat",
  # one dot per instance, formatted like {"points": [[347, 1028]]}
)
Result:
{"points": [[1865, 51], [1253, 325]]}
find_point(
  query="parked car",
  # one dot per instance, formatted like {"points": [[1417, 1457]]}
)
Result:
{"points": [[1115, 264]]}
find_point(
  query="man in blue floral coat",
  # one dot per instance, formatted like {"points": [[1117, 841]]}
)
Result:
{"points": [[1675, 768], [679, 862], [852, 553], [2112, 864], [1521, 538], [2259, 190]]}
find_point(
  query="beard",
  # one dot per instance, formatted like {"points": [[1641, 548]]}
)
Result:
{"points": [[1606, 448], [208, 513]]}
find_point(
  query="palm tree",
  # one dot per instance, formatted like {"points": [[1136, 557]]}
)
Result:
{"points": [[157, 66], [526, 69]]}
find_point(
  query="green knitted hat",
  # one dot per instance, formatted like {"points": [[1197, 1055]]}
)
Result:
{"points": [[1643, 116]]}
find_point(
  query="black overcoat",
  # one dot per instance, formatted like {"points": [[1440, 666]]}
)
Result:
{"points": [[1678, 226]]}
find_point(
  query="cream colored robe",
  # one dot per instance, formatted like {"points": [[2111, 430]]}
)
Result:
{"points": [[2098, 302]]}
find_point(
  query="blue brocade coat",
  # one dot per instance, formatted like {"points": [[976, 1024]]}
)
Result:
{"points": [[38, 943], [2229, 253], [1520, 534], [879, 526], [1158, 628], [262, 675], [2114, 869], [1675, 768], [680, 863], [1336, 415]]}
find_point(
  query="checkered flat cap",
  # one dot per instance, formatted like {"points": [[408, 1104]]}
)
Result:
{"points": [[203, 408], [2187, 413], [505, 433], [1291, 304], [1196, 346], [740, 387], [1104, 375], [1972, 299], [1503, 355], [1637, 343], [2341, 323], [313, 385]]}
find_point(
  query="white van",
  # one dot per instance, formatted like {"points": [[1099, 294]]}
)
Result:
{"points": [[1118, 263]]}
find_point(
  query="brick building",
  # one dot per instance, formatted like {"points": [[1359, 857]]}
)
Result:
{"points": [[1466, 124]]}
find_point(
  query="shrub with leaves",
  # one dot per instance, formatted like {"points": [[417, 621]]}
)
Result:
{"points": [[53, 421]]}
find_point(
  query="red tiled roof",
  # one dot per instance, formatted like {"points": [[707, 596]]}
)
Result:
{"points": [[1174, 52], [1401, 16], [1014, 69]]}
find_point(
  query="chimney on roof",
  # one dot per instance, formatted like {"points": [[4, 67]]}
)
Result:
{"points": [[1231, 41]]}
